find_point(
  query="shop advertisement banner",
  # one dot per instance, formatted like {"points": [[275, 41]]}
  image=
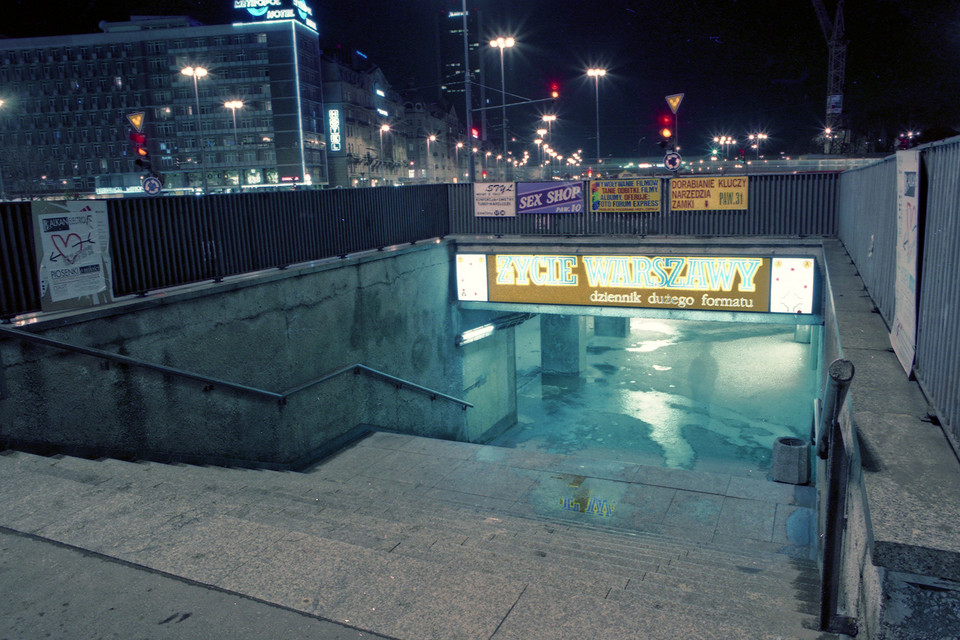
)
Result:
{"points": [[550, 197], [903, 336], [73, 246], [708, 193], [494, 200], [631, 195], [710, 283]]}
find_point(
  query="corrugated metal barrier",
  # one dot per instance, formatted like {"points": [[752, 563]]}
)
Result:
{"points": [[868, 229]]}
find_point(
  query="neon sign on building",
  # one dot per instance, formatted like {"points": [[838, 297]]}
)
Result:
{"points": [[333, 117], [278, 10]]}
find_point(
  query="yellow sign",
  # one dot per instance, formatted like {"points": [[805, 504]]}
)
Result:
{"points": [[632, 195], [651, 282], [136, 119], [708, 193], [674, 101]]}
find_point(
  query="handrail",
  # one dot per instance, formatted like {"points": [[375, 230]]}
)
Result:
{"points": [[281, 397]]}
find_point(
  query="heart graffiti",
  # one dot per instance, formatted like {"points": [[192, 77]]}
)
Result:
{"points": [[69, 250]]}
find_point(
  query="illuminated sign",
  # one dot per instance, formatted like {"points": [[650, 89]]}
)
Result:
{"points": [[494, 200], [278, 10], [333, 117], [634, 195], [381, 93], [383, 112], [550, 197], [703, 194], [709, 283]]}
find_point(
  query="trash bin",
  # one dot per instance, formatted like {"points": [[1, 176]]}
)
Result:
{"points": [[791, 461]]}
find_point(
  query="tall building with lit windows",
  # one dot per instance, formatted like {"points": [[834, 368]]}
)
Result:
{"points": [[452, 61], [65, 120]]}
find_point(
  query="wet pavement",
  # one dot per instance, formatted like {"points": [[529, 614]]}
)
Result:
{"points": [[705, 396]]}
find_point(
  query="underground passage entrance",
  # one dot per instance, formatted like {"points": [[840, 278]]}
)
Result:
{"points": [[685, 394]]}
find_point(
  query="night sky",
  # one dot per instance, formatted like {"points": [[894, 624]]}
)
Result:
{"points": [[743, 65]]}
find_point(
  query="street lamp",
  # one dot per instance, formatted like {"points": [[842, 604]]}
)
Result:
{"points": [[503, 43], [430, 138], [233, 105], [457, 152], [195, 73], [755, 139], [3, 191], [726, 141], [549, 119], [596, 74], [383, 129]]}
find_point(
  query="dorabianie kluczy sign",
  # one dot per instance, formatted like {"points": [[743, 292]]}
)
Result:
{"points": [[706, 283], [708, 193], [73, 247]]}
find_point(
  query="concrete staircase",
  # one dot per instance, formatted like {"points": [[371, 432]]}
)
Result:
{"points": [[416, 538]]}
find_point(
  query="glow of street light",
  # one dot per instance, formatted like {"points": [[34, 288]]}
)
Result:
{"points": [[502, 43], [598, 73], [196, 72], [384, 127]]}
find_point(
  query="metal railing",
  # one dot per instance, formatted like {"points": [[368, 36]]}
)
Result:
{"points": [[163, 242], [777, 204], [867, 226], [212, 383]]}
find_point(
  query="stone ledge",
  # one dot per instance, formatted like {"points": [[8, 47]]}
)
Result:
{"points": [[911, 475]]}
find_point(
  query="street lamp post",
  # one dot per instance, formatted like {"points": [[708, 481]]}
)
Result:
{"points": [[503, 43], [195, 73], [755, 140], [428, 172], [3, 191], [233, 105], [383, 128], [596, 74], [457, 152], [549, 118]]}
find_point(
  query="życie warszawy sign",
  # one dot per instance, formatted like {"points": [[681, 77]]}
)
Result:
{"points": [[711, 283]]}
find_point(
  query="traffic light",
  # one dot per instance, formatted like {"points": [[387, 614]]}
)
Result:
{"points": [[665, 130], [139, 141], [475, 133], [554, 90]]}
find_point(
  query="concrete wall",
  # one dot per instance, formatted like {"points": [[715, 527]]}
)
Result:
{"points": [[392, 311]]}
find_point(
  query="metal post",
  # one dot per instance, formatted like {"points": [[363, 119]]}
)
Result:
{"points": [[466, 85], [832, 448], [203, 167]]}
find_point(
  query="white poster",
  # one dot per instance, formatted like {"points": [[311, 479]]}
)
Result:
{"points": [[471, 277], [73, 246], [903, 336], [494, 200]]}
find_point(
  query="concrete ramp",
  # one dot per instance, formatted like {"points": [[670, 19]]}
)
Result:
{"points": [[417, 538]]}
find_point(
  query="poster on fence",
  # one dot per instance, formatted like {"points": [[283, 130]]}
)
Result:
{"points": [[628, 195], [724, 193], [903, 335], [72, 238], [494, 200], [550, 197]]}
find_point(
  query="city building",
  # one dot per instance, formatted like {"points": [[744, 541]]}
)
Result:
{"points": [[432, 135], [366, 132], [450, 23], [219, 107]]}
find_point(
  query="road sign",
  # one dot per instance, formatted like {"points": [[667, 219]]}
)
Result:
{"points": [[136, 119], [672, 161], [674, 101], [152, 185]]}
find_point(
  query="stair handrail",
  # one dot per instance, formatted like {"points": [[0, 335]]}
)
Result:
{"points": [[213, 382]]}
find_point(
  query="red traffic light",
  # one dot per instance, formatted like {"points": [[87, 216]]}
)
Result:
{"points": [[138, 138], [475, 132], [554, 90]]}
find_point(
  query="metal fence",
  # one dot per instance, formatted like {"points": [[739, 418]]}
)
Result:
{"points": [[868, 229], [778, 204], [163, 242]]}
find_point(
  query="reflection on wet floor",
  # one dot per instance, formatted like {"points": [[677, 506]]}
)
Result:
{"points": [[673, 393]]}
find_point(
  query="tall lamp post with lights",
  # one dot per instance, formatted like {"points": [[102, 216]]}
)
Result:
{"points": [[3, 191], [233, 105], [429, 171], [384, 128], [596, 74], [503, 43], [196, 73], [755, 140]]}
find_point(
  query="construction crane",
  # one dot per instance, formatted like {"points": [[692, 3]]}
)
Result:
{"points": [[834, 130]]}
